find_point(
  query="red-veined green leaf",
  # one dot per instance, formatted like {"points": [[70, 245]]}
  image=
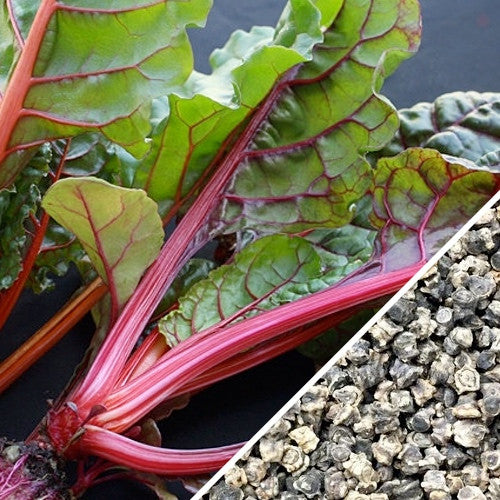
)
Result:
{"points": [[94, 66], [304, 166], [119, 228]]}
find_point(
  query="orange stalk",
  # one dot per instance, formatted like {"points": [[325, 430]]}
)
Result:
{"points": [[20, 82], [45, 338]]}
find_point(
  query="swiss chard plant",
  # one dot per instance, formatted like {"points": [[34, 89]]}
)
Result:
{"points": [[329, 199]]}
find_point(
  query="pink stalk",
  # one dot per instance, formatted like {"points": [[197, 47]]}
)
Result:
{"points": [[187, 238], [268, 350], [145, 356], [149, 352], [129, 403], [154, 347], [139, 456]]}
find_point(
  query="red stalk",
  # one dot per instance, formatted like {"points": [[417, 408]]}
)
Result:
{"points": [[129, 403], [139, 456], [154, 346], [266, 351]]}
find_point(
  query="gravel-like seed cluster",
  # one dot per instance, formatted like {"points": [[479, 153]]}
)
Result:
{"points": [[411, 411]]}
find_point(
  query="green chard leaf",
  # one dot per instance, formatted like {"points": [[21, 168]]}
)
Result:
{"points": [[273, 270], [344, 249], [59, 249], [244, 57], [86, 155], [257, 280], [304, 166], [83, 59], [435, 186], [268, 272], [421, 198], [17, 204], [202, 116], [462, 124], [119, 228]]}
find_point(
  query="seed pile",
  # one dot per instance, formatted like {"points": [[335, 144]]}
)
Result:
{"points": [[411, 411]]}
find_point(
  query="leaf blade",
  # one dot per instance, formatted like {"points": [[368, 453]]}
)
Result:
{"points": [[310, 148], [461, 124], [211, 106], [71, 79], [260, 273], [119, 229], [443, 193]]}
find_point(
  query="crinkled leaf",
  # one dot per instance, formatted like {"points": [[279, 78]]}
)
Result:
{"points": [[421, 198], [462, 124], [96, 67], [59, 249], [490, 161], [305, 165], [91, 154], [231, 292], [119, 228], [342, 250], [16, 206], [211, 106], [434, 186], [86, 155]]}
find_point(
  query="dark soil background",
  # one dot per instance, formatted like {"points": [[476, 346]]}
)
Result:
{"points": [[459, 52]]}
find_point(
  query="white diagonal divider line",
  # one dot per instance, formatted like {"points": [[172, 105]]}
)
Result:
{"points": [[317, 376]]}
